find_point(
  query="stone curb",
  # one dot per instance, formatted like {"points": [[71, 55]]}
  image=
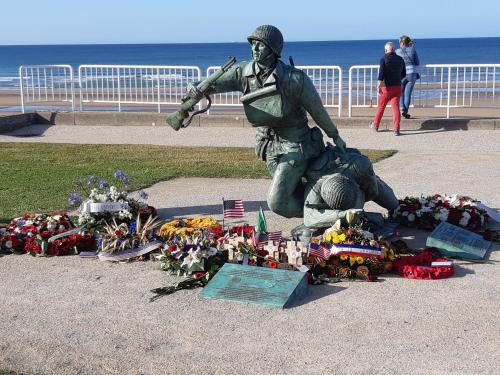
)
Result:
{"points": [[11, 121]]}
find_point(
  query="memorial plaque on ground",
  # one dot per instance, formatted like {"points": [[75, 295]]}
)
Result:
{"points": [[257, 285], [455, 241]]}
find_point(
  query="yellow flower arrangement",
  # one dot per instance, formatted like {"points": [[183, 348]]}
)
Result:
{"points": [[201, 222], [356, 259], [335, 237], [186, 227]]}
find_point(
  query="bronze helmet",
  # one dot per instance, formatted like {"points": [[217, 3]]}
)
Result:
{"points": [[270, 36], [340, 192]]}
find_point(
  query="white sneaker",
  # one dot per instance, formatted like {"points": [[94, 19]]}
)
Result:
{"points": [[372, 126]]}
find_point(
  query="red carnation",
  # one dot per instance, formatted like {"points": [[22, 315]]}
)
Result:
{"points": [[17, 244], [273, 264], [217, 231]]}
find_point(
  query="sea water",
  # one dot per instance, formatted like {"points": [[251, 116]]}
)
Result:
{"points": [[203, 55]]}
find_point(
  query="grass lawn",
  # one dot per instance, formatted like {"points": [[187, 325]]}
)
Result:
{"points": [[37, 177]]}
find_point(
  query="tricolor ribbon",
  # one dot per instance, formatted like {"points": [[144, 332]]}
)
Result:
{"points": [[357, 250]]}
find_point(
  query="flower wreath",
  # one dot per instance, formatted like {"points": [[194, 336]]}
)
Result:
{"points": [[420, 266]]}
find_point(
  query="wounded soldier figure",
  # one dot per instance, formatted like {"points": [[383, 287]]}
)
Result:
{"points": [[339, 184]]}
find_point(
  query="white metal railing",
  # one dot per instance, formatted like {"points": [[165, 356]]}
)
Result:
{"points": [[440, 86], [328, 83], [135, 85], [46, 84], [460, 85], [362, 82], [326, 79], [227, 99]]}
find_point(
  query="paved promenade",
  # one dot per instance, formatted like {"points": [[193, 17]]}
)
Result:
{"points": [[73, 316]]}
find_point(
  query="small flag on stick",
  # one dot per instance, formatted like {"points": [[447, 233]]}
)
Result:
{"points": [[261, 226], [257, 243], [221, 240], [318, 251], [233, 208], [275, 236]]}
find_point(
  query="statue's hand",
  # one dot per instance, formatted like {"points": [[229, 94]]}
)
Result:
{"points": [[339, 142]]}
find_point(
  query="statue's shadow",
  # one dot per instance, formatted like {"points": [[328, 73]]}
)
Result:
{"points": [[211, 209], [32, 131]]}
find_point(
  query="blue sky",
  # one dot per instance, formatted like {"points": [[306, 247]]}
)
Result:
{"points": [[190, 21]]}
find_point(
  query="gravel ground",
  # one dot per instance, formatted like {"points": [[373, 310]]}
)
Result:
{"points": [[79, 316]]}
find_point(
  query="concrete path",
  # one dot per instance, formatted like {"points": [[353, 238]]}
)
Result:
{"points": [[410, 140], [74, 316]]}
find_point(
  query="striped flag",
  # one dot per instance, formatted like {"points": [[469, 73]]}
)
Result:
{"points": [[221, 240], [318, 251], [274, 236], [233, 208], [257, 244]]}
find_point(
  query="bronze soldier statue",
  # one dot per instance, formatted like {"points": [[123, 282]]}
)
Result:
{"points": [[277, 98]]}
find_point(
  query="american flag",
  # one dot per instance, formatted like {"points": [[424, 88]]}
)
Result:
{"points": [[318, 251], [257, 243], [221, 240], [233, 208], [274, 236]]}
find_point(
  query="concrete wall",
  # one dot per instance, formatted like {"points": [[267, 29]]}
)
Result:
{"points": [[238, 119], [9, 122]]}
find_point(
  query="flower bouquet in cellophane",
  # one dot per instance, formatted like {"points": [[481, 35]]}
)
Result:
{"points": [[122, 237], [100, 201], [193, 254]]}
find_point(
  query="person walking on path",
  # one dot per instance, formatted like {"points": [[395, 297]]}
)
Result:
{"points": [[391, 72], [407, 51]]}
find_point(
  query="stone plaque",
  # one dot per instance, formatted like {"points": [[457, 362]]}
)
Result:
{"points": [[256, 285], [455, 241]]}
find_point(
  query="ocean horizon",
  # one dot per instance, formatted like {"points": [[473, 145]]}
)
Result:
{"points": [[344, 53]]}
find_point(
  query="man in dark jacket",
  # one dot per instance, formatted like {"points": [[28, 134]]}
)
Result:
{"points": [[392, 70]]}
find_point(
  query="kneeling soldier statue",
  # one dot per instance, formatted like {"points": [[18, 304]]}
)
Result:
{"points": [[276, 98]]}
